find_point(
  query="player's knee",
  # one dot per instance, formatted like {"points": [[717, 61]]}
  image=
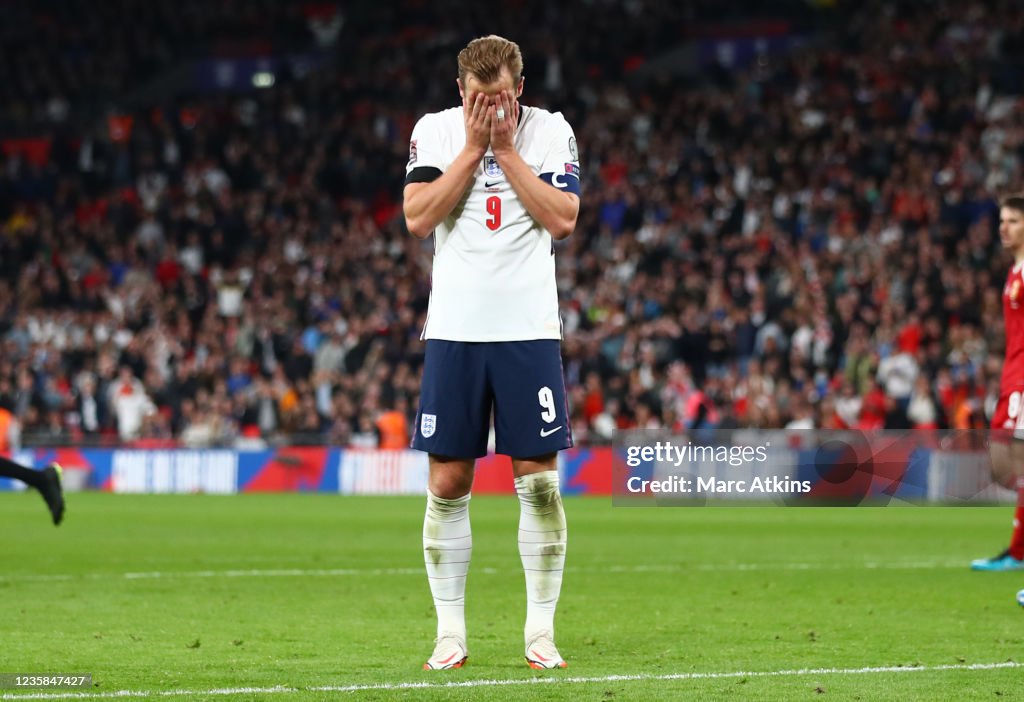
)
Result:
{"points": [[449, 489], [450, 480], [536, 464], [1005, 456], [547, 460]]}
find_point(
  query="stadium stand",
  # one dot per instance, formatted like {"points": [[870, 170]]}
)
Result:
{"points": [[201, 239]]}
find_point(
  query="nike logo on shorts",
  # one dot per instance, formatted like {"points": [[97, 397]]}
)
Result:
{"points": [[548, 432]]}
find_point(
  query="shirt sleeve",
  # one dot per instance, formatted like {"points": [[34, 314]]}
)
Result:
{"points": [[425, 146], [561, 166]]}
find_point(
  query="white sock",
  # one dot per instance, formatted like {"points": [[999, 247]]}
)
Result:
{"points": [[447, 546], [542, 536]]}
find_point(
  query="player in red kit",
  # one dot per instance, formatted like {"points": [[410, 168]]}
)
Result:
{"points": [[1007, 445]]}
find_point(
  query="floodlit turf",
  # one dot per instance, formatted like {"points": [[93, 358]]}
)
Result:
{"points": [[202, 593]]}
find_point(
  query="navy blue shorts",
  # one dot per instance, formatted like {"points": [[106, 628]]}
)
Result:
{"points": [[521, 381]]}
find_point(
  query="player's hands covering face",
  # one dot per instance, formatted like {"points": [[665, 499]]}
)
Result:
{"points": [[503, 131], [478, 115]]}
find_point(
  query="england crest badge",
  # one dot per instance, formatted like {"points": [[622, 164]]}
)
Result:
{"points": [[491, 167], [428, 423]]}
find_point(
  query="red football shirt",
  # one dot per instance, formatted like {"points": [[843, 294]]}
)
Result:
{"points": [[1013, 318]]}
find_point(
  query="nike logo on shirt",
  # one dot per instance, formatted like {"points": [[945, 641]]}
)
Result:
{"points": [[549, 432]]}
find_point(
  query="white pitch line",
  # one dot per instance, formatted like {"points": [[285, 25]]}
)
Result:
{"points": [[273, 573], [344, 572], [255, 573], [867, 565], [554, 680]]}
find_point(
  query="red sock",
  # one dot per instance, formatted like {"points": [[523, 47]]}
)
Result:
{"points": [[1017, 542]]}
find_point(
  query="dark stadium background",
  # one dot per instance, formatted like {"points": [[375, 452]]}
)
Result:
{"points": [[788, 216]]}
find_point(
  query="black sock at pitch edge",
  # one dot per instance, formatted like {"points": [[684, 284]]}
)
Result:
{"points": [[29, 476]]}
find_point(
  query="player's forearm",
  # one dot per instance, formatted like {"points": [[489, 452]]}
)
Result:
{"points": [[426, 206], [553, 209]]}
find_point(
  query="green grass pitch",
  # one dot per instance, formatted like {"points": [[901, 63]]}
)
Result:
{"points": [[324, 597]]}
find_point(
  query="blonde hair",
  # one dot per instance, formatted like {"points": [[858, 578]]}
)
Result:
{"points": [[484, 57]]}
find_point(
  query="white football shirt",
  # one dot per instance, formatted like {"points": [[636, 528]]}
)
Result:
{"points": [[494, 266]]}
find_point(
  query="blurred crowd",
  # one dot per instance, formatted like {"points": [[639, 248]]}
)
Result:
{"points": [[808, 241]]}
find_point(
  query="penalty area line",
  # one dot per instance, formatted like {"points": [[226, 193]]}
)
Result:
{"points": [[552, 680]]}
